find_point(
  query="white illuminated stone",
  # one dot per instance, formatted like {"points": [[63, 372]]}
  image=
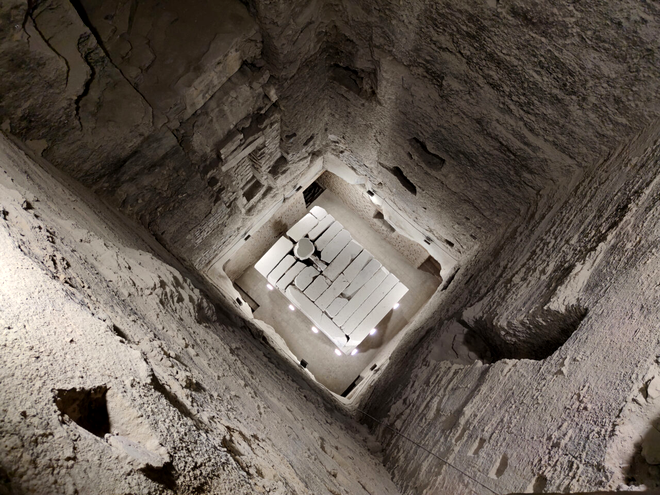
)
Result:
{"points": [[273, 256], [304, 225], [338, 352]]}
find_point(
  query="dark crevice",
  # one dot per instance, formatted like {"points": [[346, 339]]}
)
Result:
{"points": [[88, 81], [176, 402], [537, 336], [401, 177], [86, 407], [432, 161], [165, 475]]}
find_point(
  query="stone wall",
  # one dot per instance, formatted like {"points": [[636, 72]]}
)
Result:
{"points": [[577, 413], [119, 375]]}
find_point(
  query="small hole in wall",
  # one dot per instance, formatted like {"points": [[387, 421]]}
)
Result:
{"points": [[239, 301], [87, 408], [309, 140], [289, 137], [448, 242]]}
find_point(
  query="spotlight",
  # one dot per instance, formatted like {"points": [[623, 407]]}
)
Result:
{"points": [[315, 330], [373, 331], [396, 306], [354, 352], [270, 287], [292, 307], [338, 352]]}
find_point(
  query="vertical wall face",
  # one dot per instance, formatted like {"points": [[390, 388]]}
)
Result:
{"points": [[118, 375], [575, 420]]}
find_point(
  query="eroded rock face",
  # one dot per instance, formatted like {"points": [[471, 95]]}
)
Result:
{"points": [[120, 376], [521, 135]]}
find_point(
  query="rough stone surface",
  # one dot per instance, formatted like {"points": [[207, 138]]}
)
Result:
{"points": [[520, 136], [192, 402]]}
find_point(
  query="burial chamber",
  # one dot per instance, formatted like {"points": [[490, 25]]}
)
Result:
{"points": [[497, 159]]}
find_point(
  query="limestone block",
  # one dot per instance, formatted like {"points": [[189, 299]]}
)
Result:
{"points": [[358, 299], [343, 259], [281, 269], [379, 312], [273, 256], [335, 246], [317, 287], [358, 264], [304, 225], [302, 302], [322, 226], [363, 277], [318, 212], [306, 276], [336, 306], [370, 303], [328, 235], [332, 292], [290, 274]]}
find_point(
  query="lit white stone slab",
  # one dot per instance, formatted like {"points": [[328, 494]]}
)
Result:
{"points": [[304, 249], [372, 301], [358, 299], [318, 212], [333, 331], [303, 303], [332, 292], [320, 320], [343, 259], [290, 274], [358, 264], [306, 276], [281, 269], [363, 277], [336, 306], [304, 225], [379, 312], [273, 256], [322, 226], [317, 287], [328, 235], [335, 246]]}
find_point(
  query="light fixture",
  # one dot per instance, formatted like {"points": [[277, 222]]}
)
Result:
{"points": [[315, 330], [338, 352], [354, 352], [292, 307], [270, 287], [373, 331], [396, 306]]}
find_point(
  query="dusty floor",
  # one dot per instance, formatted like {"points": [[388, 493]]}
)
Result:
{"points": [[338, 372]]}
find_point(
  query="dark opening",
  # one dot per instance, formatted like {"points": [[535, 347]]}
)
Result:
{"points": [[536, 336], [280, 166], [252, 190], [352, 386], [303, 363], [247, 237], [246, 297], [239, 301], [431, 160], [312, 193], [85, 407], [431, 266], [401, 177]]}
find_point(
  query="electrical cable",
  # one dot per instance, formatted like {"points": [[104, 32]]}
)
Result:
{"points": [[428, 451]]}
